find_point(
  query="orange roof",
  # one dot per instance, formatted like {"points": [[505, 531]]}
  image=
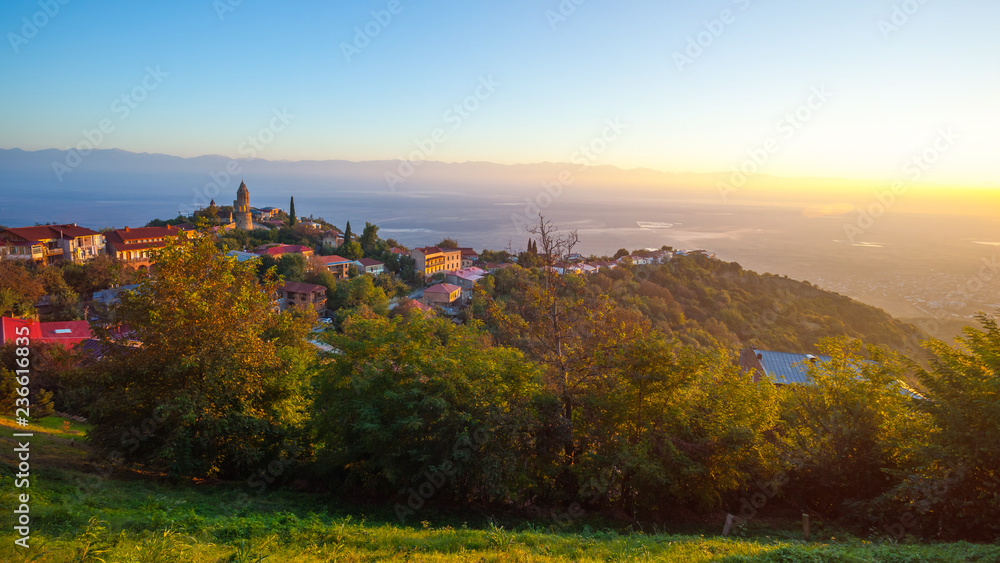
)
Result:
{"points": [[444, 288], [334, 259]]}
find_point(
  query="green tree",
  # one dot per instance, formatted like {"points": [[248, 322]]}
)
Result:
{"points": [[847, 432], [447, 243], [356, 292], [351, 250], [621, 252], [218, 384], [957, 489], [292, 217], [411, 399], [369, 241], [348, 235]]}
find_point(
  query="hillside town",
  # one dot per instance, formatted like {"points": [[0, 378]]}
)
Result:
{"points": [[445, 275]]}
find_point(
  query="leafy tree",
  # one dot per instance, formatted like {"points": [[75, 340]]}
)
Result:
{"points": [[447, 243], [292, 217], [621, 252], [411, 399], [369, 241], [956, 491], [19, 289], [351, 250], [848, 431], [292, 266], [496, 256], [42, 406], [356, 292], [219, 380]]}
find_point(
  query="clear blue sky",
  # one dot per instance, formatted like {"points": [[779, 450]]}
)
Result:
{"points": [[558, 84]]}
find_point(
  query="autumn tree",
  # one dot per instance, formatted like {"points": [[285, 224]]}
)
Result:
{"points": [[209, 380]]}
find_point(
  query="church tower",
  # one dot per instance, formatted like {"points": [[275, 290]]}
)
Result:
{"points": [[241, 209]]}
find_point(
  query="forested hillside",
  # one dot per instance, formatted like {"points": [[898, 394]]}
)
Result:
{"points": [[711, 303]]}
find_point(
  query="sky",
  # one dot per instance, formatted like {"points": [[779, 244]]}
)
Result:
{"points": [[846, 89]]}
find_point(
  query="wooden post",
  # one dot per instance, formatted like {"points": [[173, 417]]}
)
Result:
{"points": [[805, 526], [728, 526]]}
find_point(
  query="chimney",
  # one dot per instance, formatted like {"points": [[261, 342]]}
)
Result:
{"points": [[812, 359], [126, 228], [760, 356]]}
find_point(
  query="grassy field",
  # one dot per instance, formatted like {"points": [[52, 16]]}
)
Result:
{"points": [[78, 515]]}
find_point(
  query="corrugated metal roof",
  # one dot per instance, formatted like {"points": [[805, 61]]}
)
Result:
{"points": [[786, 367]]}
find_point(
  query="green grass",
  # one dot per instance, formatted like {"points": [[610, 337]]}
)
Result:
{"points": [[130, 517]]}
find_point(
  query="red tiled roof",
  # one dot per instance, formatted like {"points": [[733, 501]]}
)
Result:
{"points": [[299, 287], [366, 262], [129, 239], [445, 288], [49, 232]]}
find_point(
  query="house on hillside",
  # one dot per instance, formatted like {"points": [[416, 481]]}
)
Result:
{"points": [[469, 257], [133, 246], [370, 266], [49, 243], [442, 294], [466, 278], [431, 259], [336, 264], [306, 295], [333, 238]]}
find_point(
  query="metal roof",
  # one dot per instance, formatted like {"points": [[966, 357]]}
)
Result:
{"points": [[786, 367]]}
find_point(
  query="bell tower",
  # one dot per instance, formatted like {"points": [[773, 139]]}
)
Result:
{"points": [[241, 209]]}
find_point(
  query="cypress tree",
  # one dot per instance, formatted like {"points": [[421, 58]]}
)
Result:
{"points": [[291, 213]]}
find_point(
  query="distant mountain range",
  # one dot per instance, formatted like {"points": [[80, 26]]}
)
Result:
{"points": [[169, 184]]}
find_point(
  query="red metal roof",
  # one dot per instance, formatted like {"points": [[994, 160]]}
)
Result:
{"points": [[66, 333]]}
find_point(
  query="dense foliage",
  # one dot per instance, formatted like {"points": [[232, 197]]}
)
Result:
{"points": [[216, 382]]}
